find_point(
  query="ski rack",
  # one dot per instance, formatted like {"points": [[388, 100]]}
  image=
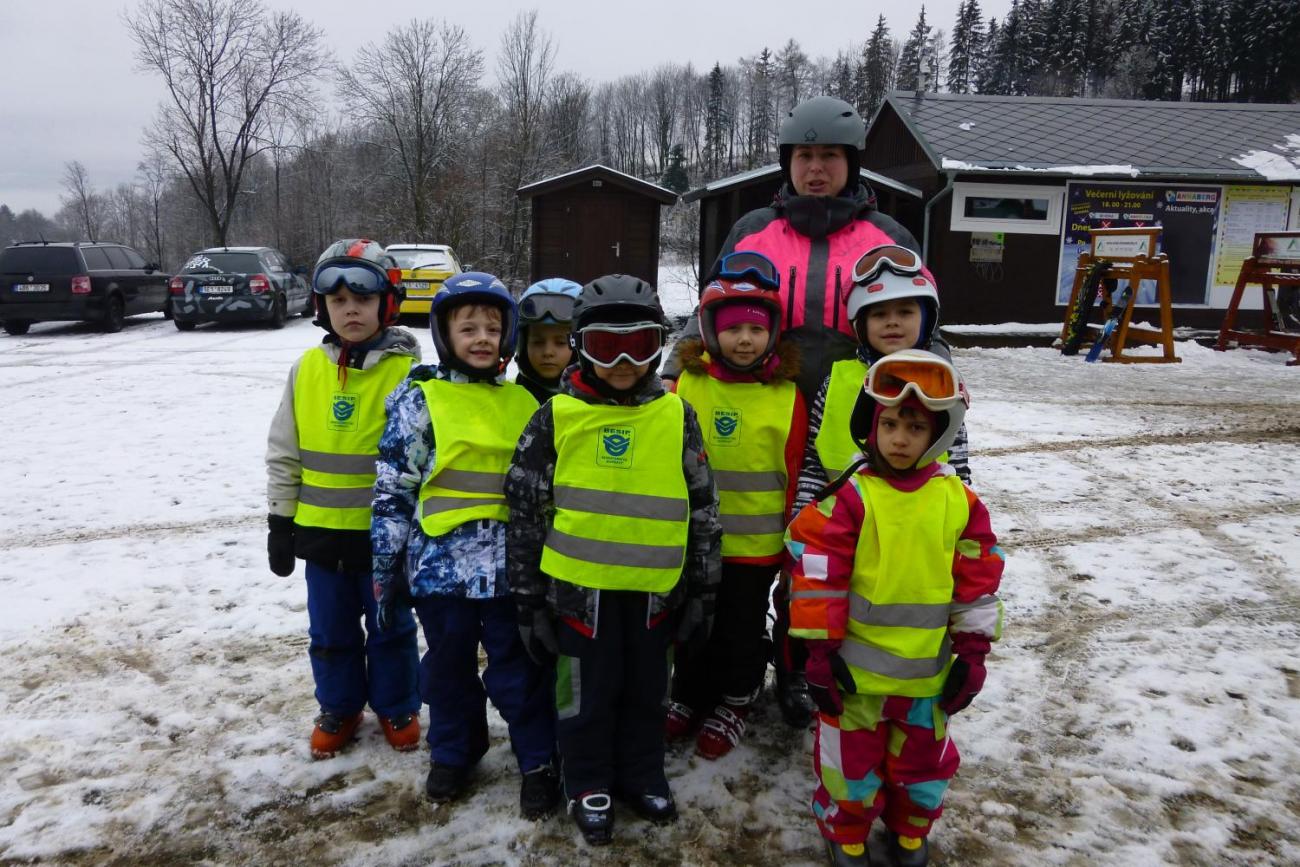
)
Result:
{"points": [[1274, 262], [1129, 252]]}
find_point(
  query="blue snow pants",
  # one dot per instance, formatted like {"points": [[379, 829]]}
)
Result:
{"points": [[457, 697], [352, 667]]}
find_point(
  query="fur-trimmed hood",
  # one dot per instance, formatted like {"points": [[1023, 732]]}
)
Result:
{"points": [[695, 358]]}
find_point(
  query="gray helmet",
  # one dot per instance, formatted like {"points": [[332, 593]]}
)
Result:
{"points": [[617, 299], [823, 120]]}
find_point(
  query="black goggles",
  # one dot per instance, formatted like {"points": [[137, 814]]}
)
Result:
{"points": [[535, 308], [359, 277], [754, 266]]}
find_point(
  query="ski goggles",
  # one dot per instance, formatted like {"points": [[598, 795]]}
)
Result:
{"points": [[359, 277], [746, 265], [898, 259], [607, 345], [932, 381], [537, 307]]}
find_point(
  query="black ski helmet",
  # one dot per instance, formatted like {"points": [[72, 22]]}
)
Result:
{"points": [[823, 120], [617, 299]]}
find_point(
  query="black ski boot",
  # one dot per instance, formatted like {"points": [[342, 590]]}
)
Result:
{"points": [[905, 857], [848, 854], [593, 813], [659, 809], [446, 782], [538, 793], [792, 698]]}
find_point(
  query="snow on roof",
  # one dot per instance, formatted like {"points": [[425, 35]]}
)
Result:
{"points": [[950, 165]]}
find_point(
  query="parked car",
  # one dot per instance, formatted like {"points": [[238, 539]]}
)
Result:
{"points": [[238, 284], [424, 267], [63, 281]]}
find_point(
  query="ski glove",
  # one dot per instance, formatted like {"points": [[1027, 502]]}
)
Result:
{"points": [[966, 677], [827, 673], [692, 629], [279, 544], [537, 631]]}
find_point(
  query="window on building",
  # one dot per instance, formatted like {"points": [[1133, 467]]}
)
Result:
{"points": [[1012, 208]]}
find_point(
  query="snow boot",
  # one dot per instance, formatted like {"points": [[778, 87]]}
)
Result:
{"points": [[848, 854], [679, 722], [446, 783], [538, 793], [593, 813], [908, 851], [332, 733], [723, 728], [792, 697], [659, 809], [402, 732]]}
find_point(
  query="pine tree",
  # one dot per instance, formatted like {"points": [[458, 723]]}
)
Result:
{"points": [[715, 122], [910, 59], [984, 71], [1004, 75], [841, 78], [966, 48], [761, 114], [675, 177], [876, 70]]}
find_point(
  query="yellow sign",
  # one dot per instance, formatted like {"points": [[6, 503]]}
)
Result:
{"points": [[1246, 210]]}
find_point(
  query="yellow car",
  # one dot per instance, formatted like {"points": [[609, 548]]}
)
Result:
{"points": [[424, 267]]}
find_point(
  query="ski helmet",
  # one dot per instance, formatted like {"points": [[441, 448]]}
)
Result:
{"points": [[377, 272], [743, 278], [546, 302], [472, 287], [823, 120], [616, 299], [912, 374], [888, 281]]}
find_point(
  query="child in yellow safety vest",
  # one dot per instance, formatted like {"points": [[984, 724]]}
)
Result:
{"points": [[613, 551], [894, 579], [439, 540], [320, 462], [742, 385]]}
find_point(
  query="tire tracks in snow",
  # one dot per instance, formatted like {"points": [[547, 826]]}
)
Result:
{"points": [[135, 531], [1288, 433]]}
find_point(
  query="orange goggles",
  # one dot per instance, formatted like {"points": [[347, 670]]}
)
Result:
{"points": [[934, 382]]}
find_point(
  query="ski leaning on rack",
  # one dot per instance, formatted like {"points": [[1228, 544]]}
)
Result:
{"points": [[1082, 305], [1117, 308]]}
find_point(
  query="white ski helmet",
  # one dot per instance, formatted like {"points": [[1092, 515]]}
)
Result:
{"points": [[887, 285]]}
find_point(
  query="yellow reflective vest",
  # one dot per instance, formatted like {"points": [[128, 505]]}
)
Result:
{"points": [[835, 447], [745, 425], [339, 427], [476, 426], [621, 505], [900, 593]]}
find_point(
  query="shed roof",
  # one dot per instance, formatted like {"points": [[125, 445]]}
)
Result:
{"points": [[762, 173], [1112, 137], [593, 172]]}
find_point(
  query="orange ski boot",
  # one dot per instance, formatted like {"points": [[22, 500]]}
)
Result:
{"points": [[332, 734]]}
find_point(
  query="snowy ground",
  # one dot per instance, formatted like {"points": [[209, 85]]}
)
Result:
{"points": [[156, 699]]}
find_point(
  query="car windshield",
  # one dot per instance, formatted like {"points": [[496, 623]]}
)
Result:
{"points": [[223, 263], [39, 260], [414, 260]]}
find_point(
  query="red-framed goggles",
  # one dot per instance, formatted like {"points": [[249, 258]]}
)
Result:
{"points": [[744, 265], [360, 277], [931, 380], [898, 259], [607, 345], [536, 308]]}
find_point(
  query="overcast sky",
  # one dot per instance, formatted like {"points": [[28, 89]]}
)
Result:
{"points": [[70, 89]]}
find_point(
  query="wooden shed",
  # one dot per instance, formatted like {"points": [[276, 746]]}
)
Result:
{"points": [[725, 200], [1013, 186], [595, 221]]}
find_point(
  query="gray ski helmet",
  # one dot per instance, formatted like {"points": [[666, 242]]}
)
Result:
{"points": [[617, 299], [823, 120]]}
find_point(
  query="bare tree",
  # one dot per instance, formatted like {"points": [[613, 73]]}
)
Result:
{"points": [[82, 202], [226, 65]]}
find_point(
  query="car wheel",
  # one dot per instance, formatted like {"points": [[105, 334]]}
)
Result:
{"points": [[182, 325], [114, 315], [279, 312], [17, 327]]}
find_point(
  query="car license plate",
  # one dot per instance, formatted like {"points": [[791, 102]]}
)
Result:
{"points": [[216, 290], [417, 285], [31, 287]]}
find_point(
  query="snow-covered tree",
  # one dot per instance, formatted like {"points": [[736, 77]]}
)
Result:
{"points": [[911, 58]]}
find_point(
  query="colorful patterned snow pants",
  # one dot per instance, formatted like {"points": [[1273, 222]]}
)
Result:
{"points": [[885, 755]]}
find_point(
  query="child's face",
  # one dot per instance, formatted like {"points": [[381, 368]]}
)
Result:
{"points": [[742, 344], [893, 325], [475, 334], [903, 435], [621, 376], [548, 349], [354, 318]]}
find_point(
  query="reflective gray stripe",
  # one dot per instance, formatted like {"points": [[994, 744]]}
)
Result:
{"points": [[328, 462], [434, 505], [622, 505], [336, 498], [615, 553], [916, 615], [819, 594], [471, 481], [747, 482], [752, 525], [879, 661]]}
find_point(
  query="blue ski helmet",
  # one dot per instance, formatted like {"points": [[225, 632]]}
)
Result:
{"points": [[472, 287], [544, 302]]}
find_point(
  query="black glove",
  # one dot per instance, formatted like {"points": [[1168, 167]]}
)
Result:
{"points": [[692, 629], [279, 544], [537, 631]]}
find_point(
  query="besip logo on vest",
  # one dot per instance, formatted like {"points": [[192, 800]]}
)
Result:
{"points": [[615, 447], [726, 427], [343, 412]]}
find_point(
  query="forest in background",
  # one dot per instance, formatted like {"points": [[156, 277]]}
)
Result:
{"points": [[431, 137]]}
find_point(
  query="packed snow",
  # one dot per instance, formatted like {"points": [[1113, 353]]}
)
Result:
{"points": [[157, 698]]}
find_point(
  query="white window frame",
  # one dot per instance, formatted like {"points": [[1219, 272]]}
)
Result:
{"points": [[1051, 225]]}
